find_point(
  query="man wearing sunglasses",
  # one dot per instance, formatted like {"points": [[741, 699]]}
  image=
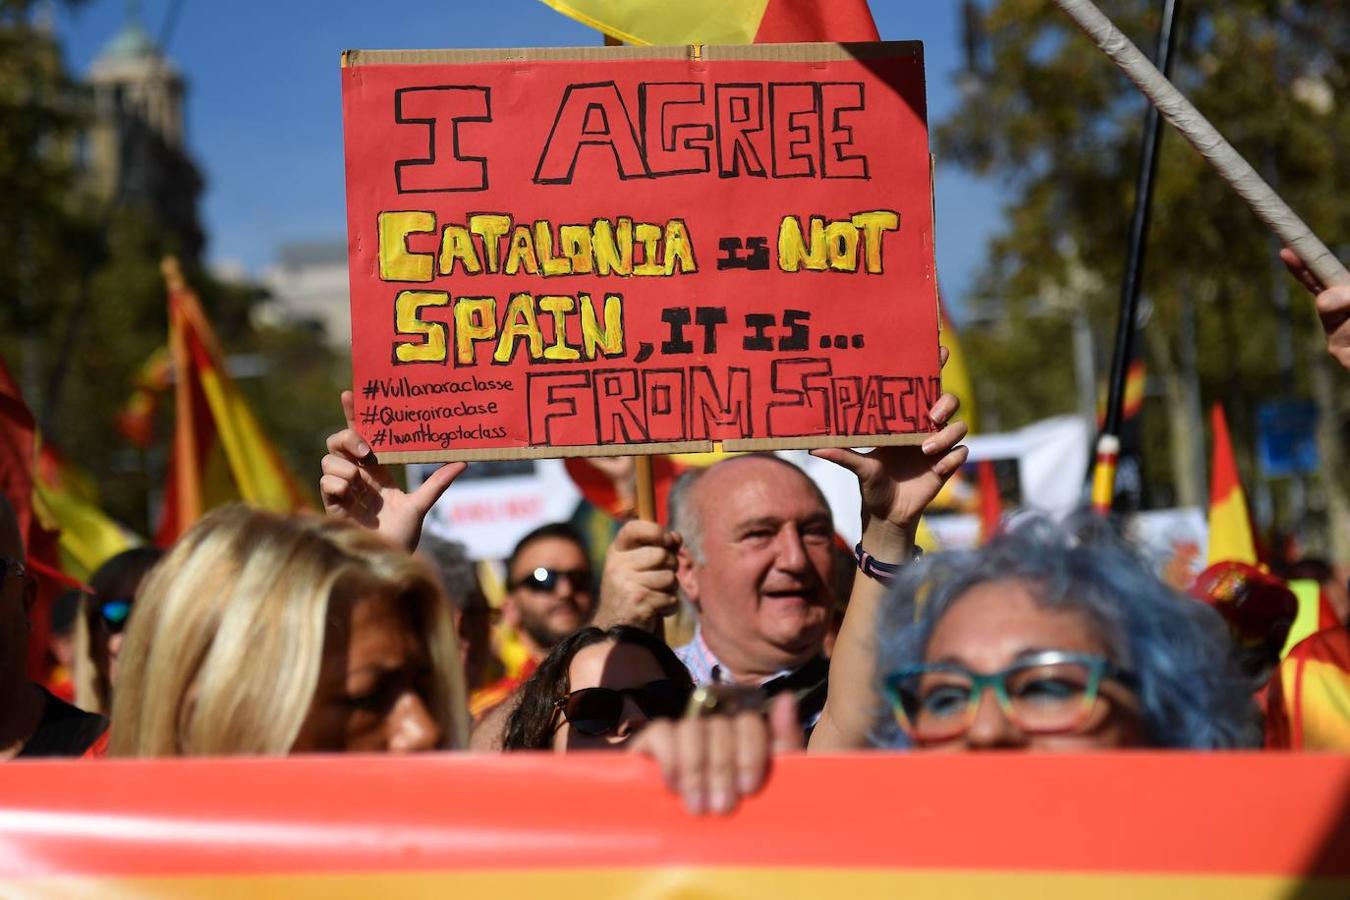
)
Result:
{"points": [[32, 722], [550, 594], [549, 587]]}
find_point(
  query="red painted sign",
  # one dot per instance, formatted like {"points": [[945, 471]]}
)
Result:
{"points": [[638, 251]]}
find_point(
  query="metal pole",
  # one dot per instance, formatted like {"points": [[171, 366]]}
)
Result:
{"points": [[1109, 440], [1143, 208]]}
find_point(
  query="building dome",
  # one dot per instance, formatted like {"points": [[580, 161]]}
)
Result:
{"points": [[132, 42]]}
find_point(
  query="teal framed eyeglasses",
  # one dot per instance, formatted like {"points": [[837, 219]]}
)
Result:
{"points": [[1050, 692]]}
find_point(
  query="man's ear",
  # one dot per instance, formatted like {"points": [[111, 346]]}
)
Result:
{"points": [[686, 573]]}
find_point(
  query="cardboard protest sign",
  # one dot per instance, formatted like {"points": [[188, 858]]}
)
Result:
{"points": [[619, 250]]}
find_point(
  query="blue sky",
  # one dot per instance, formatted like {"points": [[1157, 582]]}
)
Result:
{"points": [[264, 109]]}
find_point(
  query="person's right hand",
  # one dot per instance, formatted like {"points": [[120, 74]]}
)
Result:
{"points": [[355, 486], [638, 585], [898, 483], [1333, 306], [716, 761]]}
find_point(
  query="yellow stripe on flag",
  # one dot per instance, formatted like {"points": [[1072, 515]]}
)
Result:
{"points": [[88, 536], [1230, 533], [1323, 705], [674, 22], [1308, 617], [257, 472]]}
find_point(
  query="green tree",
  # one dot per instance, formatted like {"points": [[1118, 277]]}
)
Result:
{"points": [[83, 303], [1052, 118]]}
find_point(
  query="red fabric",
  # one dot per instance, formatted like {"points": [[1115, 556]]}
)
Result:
{"points": [[18, 442], [1224, 479], [17, 438], [486, 699], [1284, 727], [98, 749], [599, 491], [991, 504], [1257, 606], [789, 21]]}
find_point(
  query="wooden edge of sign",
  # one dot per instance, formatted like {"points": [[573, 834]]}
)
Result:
{"points": [[818, 442], [813, 52], [822, 52], [494, 454]]}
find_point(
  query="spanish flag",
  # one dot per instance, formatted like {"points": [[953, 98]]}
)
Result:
{"points": [[66, 500], [1309, 697], [723, 21], [1230, 524], [220, 454], [18, 454], [65, 535], [136, 421]]}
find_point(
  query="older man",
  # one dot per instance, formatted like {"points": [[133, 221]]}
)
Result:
{"points": [[33, 723], [756, 563]]}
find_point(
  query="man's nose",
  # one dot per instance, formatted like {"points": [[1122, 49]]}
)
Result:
{"points": [[411, 727], [991, 729], [791, 551]]}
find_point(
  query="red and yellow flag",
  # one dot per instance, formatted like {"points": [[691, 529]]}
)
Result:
{"points": [[723, 21], [65, 535], [1309, 696], [220, 454], [66, 500], [1230, 524], [136, 421]]}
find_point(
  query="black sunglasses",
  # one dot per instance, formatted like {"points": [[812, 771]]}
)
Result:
{"points": [[544, 580], [597, 711], [115, 613]]}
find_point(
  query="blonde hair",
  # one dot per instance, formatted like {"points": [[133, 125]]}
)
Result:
{"points": [[224, 651]]}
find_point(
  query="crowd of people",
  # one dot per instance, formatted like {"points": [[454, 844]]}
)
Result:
{"points": [[349, 631]]}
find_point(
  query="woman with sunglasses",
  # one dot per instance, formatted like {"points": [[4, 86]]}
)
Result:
{"points": [[103, 619], [624, 689], [268, 634], [1054, 641]]}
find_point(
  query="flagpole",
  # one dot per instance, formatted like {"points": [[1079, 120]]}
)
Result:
{"points": [[1108, 451]]}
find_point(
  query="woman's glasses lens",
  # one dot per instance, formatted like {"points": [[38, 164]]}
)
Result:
{"points": [[596, 711], [663, 699], [114, 614], [1050, 698], [941, 703]]}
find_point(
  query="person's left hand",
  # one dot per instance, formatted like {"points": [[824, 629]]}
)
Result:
{"points": [[898, 483], [1333, 306], [714, 762]]}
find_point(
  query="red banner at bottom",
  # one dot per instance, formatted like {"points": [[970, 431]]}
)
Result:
{"points": [[600, 826]]}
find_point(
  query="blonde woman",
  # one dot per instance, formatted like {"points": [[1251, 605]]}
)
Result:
{"points": [[266, 634]]}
